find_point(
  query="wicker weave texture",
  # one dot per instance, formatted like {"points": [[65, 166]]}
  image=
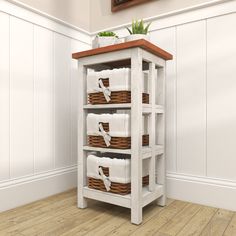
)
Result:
{"points": [[117, 188], [116, 142], [117, 97]]}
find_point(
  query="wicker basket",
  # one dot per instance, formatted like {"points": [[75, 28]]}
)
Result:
{"points": [[116, 96], [116, 142], [118, 188]]}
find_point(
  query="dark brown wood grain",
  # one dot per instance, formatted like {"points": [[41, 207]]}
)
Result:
{"points": [[117, 7], [144, 44]]}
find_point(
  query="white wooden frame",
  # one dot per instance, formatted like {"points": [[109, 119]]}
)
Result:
{"points": [[140, 196]]}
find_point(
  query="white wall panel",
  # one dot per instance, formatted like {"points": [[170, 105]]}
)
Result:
{"points": [[62, 68], [4, 96], [221, 97], [76, 46], [166, 40], [21, 98], [191, 98], [43, 99]]}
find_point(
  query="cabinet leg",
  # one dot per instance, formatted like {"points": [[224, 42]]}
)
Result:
{"points": [[82, 201], [161, 201], [136, 215]]}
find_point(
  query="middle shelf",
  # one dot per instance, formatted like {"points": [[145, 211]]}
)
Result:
{"points": [[146, 151], [147, 108]]}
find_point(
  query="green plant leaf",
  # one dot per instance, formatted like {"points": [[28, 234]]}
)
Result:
{"points": [[133, 27], [137, 27], [107, 34], [147, 27], [141, 27], [130, 32]]}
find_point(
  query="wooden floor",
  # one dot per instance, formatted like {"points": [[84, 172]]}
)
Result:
{"points": [[58, 215]]}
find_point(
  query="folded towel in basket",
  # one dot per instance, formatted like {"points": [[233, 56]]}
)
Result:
{"points": [[119, 169], [119, 124], [93, 121], [119, 80]]}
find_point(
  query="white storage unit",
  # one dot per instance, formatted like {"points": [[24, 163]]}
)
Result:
{"points": [[137, 56]]}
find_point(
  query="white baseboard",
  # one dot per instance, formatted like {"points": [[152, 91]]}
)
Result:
{"points": [[22, 191], [201, 190]]}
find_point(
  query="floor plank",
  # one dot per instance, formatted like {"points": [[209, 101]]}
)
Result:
{"points": [[198, 222], [36, 212], [231, 229], [59, 216], [93, 222], [160, 219], [149, 212], [175, 224], [218, 223], [58, 224]]}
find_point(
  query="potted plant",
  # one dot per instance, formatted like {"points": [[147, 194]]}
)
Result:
{"points": [[105, 38], [138, 31]]}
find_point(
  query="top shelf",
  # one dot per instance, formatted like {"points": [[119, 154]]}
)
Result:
{"points": [[141, 43]]}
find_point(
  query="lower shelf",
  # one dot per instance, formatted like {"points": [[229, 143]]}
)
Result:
{"points": [[123, 200]]}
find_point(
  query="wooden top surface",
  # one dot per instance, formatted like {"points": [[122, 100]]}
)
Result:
{"points": [[141, 43]]}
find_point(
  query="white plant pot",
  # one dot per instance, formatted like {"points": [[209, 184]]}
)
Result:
{"points": [[103, 41], [136, 37]]}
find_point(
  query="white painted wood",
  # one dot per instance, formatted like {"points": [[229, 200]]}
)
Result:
{"points": [[152, 130], [202, 190], [120, 200], [27, 107], [21, 191], [198, 12], [42, 19], [21, 98], [4, 96], [158, 109], [110, 150], [108, 106], [62, 67], [82, 137], [149, 57], [166, 39], [191, 98], [147, 108], [221, 97], [149, 197], [139, 196], [136, 136], [160, 135], [102, 58], [43, 99], [76, 46]]}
